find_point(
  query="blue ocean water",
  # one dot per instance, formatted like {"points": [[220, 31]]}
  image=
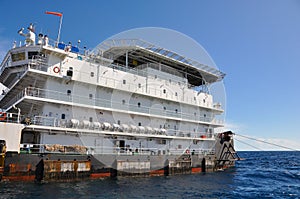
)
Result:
{"points": [[261, 175]]}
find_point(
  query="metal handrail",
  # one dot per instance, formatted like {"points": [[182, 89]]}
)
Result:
{"points": [[54, 95], [116, 150]]}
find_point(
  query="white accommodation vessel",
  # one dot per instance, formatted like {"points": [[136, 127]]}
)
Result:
{"points": [[126, 108]]}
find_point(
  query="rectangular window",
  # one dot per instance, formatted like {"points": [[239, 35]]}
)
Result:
{"points": [[63, 116], [124, 81], [32, 55], [160, 141], [18, 56]]}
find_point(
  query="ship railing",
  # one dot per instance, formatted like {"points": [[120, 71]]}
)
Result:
{"points": [[39, 62], [181, 133], [147, 89], [10, 117], [52, 43], [45, 121], [106, 150], [63, 123], [138, 43], [153, 91], [192, 151], [14, 81], [67, 97], [16, 98], [141, 71]]}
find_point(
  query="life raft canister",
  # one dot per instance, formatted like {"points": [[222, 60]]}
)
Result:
{"points": [[56, 69], [2, 116]]}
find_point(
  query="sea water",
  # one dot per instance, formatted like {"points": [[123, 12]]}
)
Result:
{"points": [[261, 175]]}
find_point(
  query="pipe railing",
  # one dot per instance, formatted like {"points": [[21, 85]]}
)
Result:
{"points": [[104, 150], [54, 95]]}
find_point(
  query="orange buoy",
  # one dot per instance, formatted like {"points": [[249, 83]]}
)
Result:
{"points": [[2, 116]]}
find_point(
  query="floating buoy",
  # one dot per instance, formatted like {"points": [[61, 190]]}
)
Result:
{"points": [[56, 69], [2, 116]]}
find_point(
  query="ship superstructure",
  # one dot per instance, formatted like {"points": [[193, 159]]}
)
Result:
{"points": [[126, 108]]}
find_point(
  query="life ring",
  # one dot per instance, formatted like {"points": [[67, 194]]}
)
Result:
{"points": [[2, 116], [187, 151], [56, 69]]}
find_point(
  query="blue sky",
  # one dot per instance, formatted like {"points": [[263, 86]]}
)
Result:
{"points": [[256, 43]]}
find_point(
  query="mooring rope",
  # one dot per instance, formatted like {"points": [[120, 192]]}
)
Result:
{"points": [[281, 146], [248, 144]]}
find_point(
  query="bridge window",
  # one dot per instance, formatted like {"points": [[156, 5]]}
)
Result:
{"points": [[18, 56], [32, 55]]}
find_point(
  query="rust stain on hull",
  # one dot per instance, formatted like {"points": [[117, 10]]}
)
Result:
{"points": [[19, 178], [159, 172], [196, 170], [100, 175]]}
